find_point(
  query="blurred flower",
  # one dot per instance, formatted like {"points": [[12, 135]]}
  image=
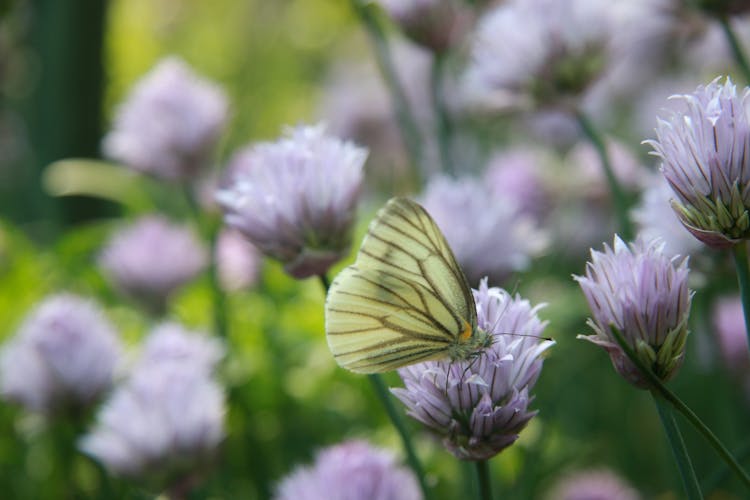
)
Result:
{"points": [[561, 50], [172, 343], [436, 24], [353, 470], [729, 328], [488, 234], [63, 356], [170, 123], [643, 294], [151, 259], [656, 219], [517, 175], [588, 176], [480, 405], [704, 159], [601, 484], [239, 262], [162, 424], [708, 54], [295, 199], [357, 106]]}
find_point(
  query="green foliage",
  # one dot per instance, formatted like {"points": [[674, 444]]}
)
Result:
{"points": [[286, 396]]}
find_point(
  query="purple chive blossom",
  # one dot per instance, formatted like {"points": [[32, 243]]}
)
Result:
{"points": [[705, 153], [479, 406], [295, 199], [151, 259], [598, 484], [436, 24], [487, 232], [591, 180], [63, 356], [655, 218], [517, 175], [238, 261], [164, 422], [642, 293], [559, 53], [729, 329], [169, 124], [353, 470], [172, 343]]}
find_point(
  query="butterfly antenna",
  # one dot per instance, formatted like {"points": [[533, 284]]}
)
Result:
{"points": [[502, 313], [527, 335]]}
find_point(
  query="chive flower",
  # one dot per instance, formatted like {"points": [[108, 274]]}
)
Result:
{"points": [[640, 292], [295, 199], [704, 153], [479, 406]]}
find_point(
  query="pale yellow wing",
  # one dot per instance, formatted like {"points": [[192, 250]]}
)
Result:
{"points": [[404, 300]]}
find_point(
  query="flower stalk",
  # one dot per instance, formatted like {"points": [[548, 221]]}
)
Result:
{"points": [[739, 252], [663, 392], [483, 478], [381, 391], [679, 450], [443, 124], [734, 43], [211, 230], [615, 189], [401, 107]]}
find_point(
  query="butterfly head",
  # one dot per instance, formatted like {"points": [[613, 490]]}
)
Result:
{"points": [[472, 341]]}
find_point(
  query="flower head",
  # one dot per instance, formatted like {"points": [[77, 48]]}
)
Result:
{"points": [[480, 405], [172, 343], [352, 470], [64, 355], [170, 123], [517, 175], [295, 199], [436, 24], [560, 51], [704, 152], [487, 232], [151, 259], [729, 327], [643, 294], [239, 262], [601, 484], [166, 419]]}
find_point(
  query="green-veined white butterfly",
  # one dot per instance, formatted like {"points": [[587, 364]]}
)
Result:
{"points": [[404, 300]]}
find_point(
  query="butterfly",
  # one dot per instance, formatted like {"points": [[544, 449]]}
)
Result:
{"points": [[405, 299]]}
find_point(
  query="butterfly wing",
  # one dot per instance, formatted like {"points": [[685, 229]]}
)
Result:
{"points": [[404, 300]]}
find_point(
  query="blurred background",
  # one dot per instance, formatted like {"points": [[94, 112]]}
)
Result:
{"points": [[65, 67]]}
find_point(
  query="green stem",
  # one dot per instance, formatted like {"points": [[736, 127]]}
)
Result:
{"points": [[401, 107], [385, 399], [615, 189], [381, 391], [679, 450], [211, 230], [734, 43], [739, 252], [325, 282], [483, 478], [658, 387], [442, 118], [718, 476]]}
